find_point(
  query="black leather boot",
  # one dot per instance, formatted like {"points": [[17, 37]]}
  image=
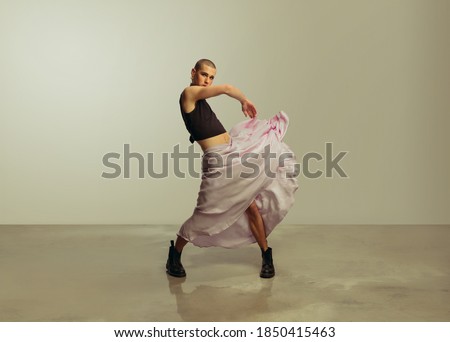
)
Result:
{"points": [[267, 269], [174, 267]]}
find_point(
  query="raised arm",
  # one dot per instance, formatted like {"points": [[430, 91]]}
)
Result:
{"points": [[195, 93]]}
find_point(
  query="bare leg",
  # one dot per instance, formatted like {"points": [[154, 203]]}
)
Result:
{"points": [[180, 243], [257, 225], [259, 232]]}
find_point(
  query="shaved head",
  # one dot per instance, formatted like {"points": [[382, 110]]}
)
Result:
{"points": [[204, 61]]}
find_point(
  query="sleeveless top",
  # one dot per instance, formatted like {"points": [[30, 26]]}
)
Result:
{"points": [[201, 123]]}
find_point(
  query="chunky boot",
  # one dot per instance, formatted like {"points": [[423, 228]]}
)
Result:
{"points": [[174, 267], [267, 269]]}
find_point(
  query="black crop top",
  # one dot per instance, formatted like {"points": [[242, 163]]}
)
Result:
{"points": [[201, 123]]}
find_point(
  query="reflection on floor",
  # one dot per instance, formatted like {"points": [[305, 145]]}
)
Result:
{"points": [[324, 273]]}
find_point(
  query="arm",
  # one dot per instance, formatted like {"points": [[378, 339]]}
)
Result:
{"points": [[195, 93]]}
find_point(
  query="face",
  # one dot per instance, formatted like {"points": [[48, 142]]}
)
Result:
{"points": [[204, 76]]}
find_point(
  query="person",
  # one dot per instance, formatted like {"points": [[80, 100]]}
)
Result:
{"points": [[243, 208]]}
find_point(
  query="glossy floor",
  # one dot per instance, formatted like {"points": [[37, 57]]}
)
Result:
{"points": [[324, 273]]}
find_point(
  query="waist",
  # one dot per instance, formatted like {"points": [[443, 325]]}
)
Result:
{"points": [[220, 139]]}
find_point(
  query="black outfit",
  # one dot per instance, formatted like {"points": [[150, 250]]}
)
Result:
{"points": [[201, 123]]}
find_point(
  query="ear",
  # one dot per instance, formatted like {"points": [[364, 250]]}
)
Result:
{"points": [[193, 71]]}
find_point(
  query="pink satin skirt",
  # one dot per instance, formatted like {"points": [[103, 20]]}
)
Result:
{"points": [[256, 165]]}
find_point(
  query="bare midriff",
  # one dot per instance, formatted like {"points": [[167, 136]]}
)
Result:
{"points": [[220, 139]]}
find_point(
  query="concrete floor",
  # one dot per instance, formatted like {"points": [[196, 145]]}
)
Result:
{"points": [[324, 273]]}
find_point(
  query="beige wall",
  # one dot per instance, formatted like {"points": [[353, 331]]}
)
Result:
{"points": [[80, 79]]}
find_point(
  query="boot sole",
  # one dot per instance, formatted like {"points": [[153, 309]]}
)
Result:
{"points": [[267, 276], [175, 274]]}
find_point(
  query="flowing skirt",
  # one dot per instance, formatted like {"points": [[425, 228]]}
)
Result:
{"points": [[256, 165]]}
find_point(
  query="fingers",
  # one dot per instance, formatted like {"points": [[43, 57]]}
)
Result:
{"points": [[249, 110], [250, 113]]}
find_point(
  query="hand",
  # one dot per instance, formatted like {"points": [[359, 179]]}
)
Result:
{"points": [[249, 109]]}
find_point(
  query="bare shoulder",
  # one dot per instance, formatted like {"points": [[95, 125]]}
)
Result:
{"points": [[192, 94], [187, 93], [188, 100], [195, 93]]}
